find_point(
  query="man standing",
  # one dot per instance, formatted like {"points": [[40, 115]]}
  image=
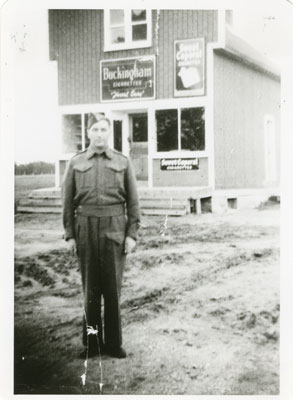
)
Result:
{"points": [[101, 218]]}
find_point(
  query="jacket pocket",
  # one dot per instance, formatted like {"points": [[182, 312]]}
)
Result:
{"points": [[114, 175], [84, 175]]}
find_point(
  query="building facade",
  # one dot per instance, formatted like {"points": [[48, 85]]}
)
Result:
{"points": [[190, 103]]}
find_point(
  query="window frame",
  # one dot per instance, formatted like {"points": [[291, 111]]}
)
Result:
{"points": [[82, 142], [129, 43], [179, 153], [84, 138]]}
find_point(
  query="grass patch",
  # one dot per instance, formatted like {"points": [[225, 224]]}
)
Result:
{"points": [[24, 184]]}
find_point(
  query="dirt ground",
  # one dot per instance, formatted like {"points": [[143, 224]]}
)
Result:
{"points": [[200, 308]]}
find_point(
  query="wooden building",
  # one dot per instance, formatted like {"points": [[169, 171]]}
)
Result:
{"points": [[193, 105]]}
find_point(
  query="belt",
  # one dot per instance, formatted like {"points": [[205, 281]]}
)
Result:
{"points": [[89, 210]]}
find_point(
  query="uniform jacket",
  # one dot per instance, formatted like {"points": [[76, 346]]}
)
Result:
{"points": [[100, 180]]}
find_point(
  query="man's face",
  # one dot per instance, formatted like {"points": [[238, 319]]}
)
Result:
{"points": [[99, 134]]}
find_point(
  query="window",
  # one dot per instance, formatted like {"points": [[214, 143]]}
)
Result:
{"points": [[182, 129], [71, 130], [140, 128], [138, 25], [74, 132], [167, 130], [192, 129], [127, 29]]}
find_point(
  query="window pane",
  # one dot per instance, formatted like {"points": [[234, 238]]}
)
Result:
{"points": [[140, 128], [116, 17], [117, 35], [192, 129], [71, 133], [167, 132], [139, 32], [138, 15]]}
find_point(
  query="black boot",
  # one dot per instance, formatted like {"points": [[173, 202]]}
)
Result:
{"points": [[94, 349], [89, 353], [116, 352]]}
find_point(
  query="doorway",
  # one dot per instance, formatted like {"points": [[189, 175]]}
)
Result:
{"points": [[119, 140], [117, 135], [138, 144]]}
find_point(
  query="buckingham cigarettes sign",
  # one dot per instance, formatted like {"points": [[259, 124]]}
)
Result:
{"points": [[128, 79], [179, 164], [189, 67]]}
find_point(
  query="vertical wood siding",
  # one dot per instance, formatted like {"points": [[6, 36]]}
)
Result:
{"points": [[77, 42], [242, 97]]}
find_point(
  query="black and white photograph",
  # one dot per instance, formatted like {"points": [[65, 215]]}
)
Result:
{"points": [[146, 215]]}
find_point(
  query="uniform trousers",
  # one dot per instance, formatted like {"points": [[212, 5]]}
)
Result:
{"points": [[100, 250]]}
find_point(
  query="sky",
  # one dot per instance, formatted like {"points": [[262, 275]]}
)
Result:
{"points": [[35, 78], [35, 87]]}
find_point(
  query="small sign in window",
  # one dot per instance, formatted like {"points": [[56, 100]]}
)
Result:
{"points": [[179, 164]]}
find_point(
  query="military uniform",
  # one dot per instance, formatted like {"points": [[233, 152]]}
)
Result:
{"points": [[100, 208]]}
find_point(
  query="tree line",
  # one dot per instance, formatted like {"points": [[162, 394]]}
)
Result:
{"points": [[34, 168]]}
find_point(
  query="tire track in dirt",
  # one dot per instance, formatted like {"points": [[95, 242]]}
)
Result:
{"points": [[199, 271]]}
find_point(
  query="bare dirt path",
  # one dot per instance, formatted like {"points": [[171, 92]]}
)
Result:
{"points": [[200, 309]]}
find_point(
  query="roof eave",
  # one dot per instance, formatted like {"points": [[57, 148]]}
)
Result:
{"points": [[238, 49]]}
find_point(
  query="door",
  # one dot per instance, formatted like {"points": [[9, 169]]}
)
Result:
{"points": [[138, 138], [117, 135], [119, 138]]}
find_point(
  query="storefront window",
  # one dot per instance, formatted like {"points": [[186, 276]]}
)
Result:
{"points": [[192, 129], [182, 129], [167, 130], [72, 134]]}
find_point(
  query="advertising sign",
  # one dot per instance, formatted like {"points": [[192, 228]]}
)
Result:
{"points": [[189, 67], [179, 164], [128, 79]]}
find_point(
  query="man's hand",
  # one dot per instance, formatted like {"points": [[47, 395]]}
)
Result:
{"points": [[129, 245], [71, 245]]}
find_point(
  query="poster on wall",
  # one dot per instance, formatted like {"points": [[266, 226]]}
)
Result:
{"points": [[128, 79], [189, 67]]}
